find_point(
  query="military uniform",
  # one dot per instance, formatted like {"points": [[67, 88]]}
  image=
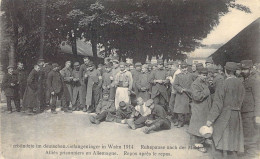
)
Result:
{"points": [[22, 80], [66, 73], [76, 92], [82, 72], [143, 86], [11, 91], [125, 111], [106, 83]]}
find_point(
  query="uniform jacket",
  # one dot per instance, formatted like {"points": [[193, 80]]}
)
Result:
{"points": [[10, 91], [200, 106], [66, 73], [157, 113], [159, 88], [105, 106], [55, 82], [124, 78]]}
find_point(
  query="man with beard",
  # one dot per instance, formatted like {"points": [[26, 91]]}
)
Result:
{"points": [[76, 93], [143, 84], [157, 120], [200, 107], [124, 84], [66, 73], [82, 71], [93, 81], [182, 85], [10, 86], [251, 100], [22, 79], [159, 92], [55, 85], [225, 116], [31, 95]]}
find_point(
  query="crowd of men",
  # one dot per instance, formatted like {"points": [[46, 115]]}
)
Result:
{"points": [[152, 95]]}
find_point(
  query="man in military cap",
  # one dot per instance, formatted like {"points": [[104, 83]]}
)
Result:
{"points": [[143, 84], [93, 81], [104, 107], [22, 78], [55, 85], [157, 120], [10, 85], [135, 74], [225, 115], [124, 85], [182, 85], [114, 71], [66, 73], [82, 71], [200, 108], [159, 82], [125, 111], [209, 62], [76, 93], [31, 94], [249, 106], [107, 79]]}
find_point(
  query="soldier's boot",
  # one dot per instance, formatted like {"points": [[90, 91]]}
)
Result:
{"points": [[149, 129], [131, 124], [85, 109]]}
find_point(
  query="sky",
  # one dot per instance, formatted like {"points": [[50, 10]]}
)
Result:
{"points": [[230, 25]]}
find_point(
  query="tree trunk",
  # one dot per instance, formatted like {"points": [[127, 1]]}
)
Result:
{"points": [[43, 23], [73, 41], [94, 45], [14, 36]]}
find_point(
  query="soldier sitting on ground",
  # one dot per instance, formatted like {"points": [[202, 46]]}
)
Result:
{"points": [[104, 107], [157, 120], [124, 112]]}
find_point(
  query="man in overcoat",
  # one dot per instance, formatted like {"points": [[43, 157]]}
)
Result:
{"points": [[10, 85], [225, 116], [143, 84], [76, 86]]}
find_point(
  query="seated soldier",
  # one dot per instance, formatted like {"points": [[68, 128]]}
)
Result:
{"points": [[104, 107], [157, 120], [124, 112], [140, 116]]}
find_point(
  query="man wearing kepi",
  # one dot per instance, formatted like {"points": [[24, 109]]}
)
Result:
{"points": [[225, 115], [182, 85], [76, 94], [200, 107], [157, 120], [143, 84], [55, 86], [104, 107], [31, 95], [159, 90], [252, 98], [11, 88], [66, 73], [124, 83]]}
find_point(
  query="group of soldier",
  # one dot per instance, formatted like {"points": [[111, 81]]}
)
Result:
{"points": [[149, 95]]}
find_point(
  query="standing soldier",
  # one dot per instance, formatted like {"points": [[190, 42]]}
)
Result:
{"points": [[251, 100], [66, 73], [107, 79], [10, 86], [82, 71], [115, 70], [22, 78], [31, 95], [143, 84], [159, 92], [225, 116], [55, 86], [93, 80], [76, 86], [200, 108], [135, 74], [182, 85], [124, 83]]}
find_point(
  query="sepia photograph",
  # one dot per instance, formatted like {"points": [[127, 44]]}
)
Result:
{"points": [[130, 79]]}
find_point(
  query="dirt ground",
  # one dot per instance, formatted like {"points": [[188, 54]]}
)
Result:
{"points": [[38, 133]]}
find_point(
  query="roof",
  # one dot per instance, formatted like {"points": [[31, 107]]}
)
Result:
{"points": [[245, 45]]}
